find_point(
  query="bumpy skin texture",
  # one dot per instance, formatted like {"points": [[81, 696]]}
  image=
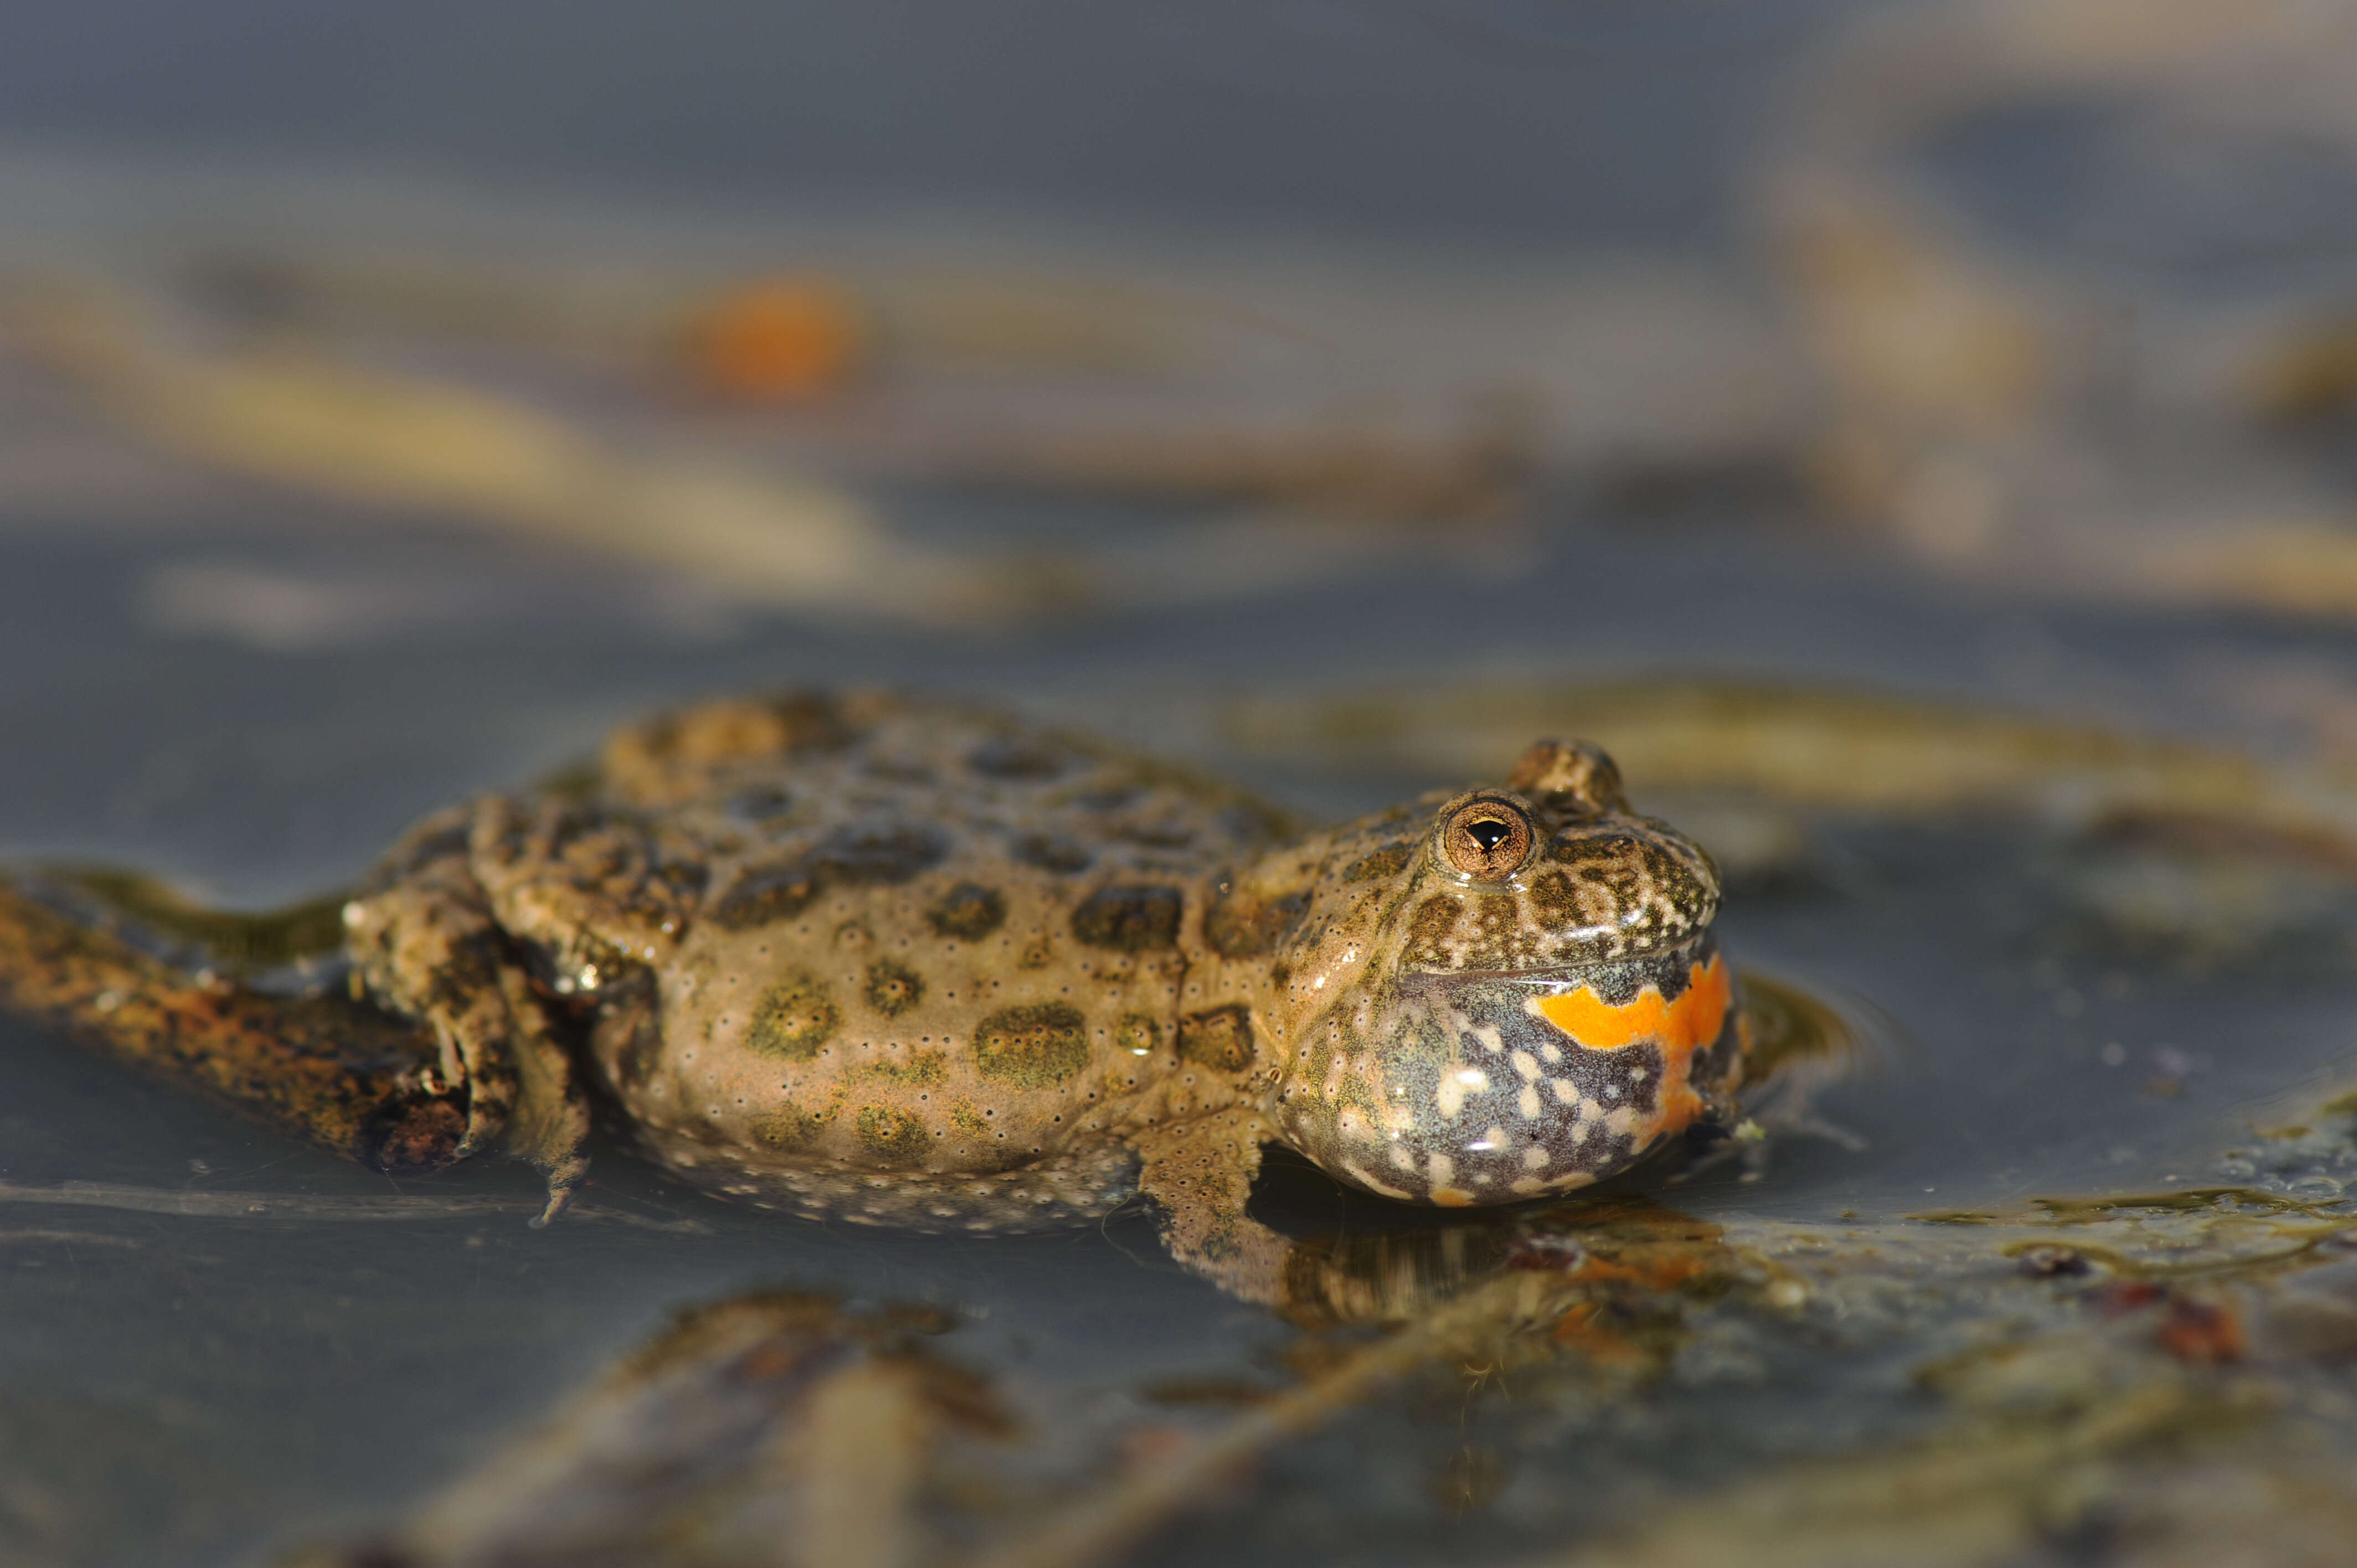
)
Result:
{"points": [[916, 964]]}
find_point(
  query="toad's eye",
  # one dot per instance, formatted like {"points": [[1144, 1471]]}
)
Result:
{"points": [[1486, 836]]}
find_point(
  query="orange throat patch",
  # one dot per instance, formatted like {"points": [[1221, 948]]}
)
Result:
{"points": [[1680, 1028]]}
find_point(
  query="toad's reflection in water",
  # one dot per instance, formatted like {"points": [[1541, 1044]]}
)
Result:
{"points": [[1613, 1264], [784, 1429]]}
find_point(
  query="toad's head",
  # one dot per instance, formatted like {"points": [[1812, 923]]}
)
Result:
{"points": [[1511, 995]]}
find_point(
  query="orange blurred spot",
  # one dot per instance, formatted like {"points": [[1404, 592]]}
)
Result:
{"points": [[2200, 1334], [778, 339]]}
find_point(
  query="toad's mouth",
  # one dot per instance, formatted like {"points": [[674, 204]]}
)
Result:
{"points": [[1679, 1001]]}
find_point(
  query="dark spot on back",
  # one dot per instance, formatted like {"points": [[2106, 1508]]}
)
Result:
{"points": [[1035, 1046], [766, 893], [794, 1018], [1129, 918], [788, 1127], [1241, 925], [1221, 1039], [1136, 1035], [968, 912], [893, 987], [925, 1069], [878, 852], [895, 1137], [1051, 851], [858, 854]]}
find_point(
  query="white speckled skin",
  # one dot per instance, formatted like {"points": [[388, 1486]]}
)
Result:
{"points": [[919, 964]]}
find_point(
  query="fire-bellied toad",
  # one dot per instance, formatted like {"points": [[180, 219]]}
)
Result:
{"points": [[919, 964]]}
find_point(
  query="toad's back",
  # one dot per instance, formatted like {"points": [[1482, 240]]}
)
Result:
{"points": [[870, 954]]}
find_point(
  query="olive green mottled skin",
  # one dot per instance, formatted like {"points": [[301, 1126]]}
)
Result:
{"points": [[920, 964]]}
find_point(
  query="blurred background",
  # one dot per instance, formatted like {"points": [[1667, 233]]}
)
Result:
{"points": [[1920, 438], [443, 384]]}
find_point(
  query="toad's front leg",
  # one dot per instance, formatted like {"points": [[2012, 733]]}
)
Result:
{"points": [[1200, 1172], [425, 944]]}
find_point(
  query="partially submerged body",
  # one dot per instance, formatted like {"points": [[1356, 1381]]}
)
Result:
{"points": [[908, 963]]}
